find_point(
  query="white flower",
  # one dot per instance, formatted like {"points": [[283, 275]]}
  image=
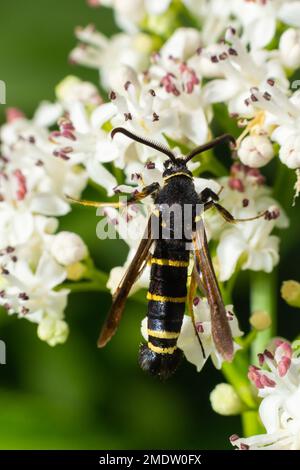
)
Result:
{"points": [[18, 126], [256, 151], [166, 100], [278, 384], [242, 70], [28, 291], [178, 84], [109, 55], [53, 331], [130, 226], [68, 248], [289, 47], [31, 178], [255, 243], [188, 340], [183, 43], [80, 139], [244, 189], [283, 113], [259, 18], [130, 13], [141, 111], [251, 243], [71, 89]]}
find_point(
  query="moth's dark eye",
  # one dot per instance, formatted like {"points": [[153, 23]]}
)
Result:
{"points": [[167, 164]]}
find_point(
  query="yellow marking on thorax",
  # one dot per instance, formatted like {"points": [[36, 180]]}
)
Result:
{"points": [[162, 298], [179, 173], [170, 262], [159, 350], [163, 334]]}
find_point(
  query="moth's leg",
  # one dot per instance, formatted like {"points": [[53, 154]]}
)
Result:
{"points": [[208, 194], [229, 217], [132, 198]]}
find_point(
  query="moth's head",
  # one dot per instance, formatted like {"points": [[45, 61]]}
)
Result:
{"points": [[177, 166], [174, 164]]}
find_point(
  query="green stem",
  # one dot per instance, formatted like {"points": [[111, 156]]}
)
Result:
{"points": [[236, 373], [251, 424], [263, 297], [83, 286], [237, 377]]}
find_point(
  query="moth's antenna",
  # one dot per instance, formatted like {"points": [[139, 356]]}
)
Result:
{"points": [[210, 145], [142, 140]]}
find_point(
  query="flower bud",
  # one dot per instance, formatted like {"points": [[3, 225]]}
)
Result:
{"points": [[53, 331], [290, 292], [289, 48], [72, 89], [225, 401], [289, 152], [68, 248], [260, 320], [143, 43], [12, 114], [76, 271], [256, 151]]}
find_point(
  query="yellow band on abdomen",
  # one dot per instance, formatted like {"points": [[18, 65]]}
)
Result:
{"points": [[170, 262], [163, 298], [163, 334], [158, 350]]}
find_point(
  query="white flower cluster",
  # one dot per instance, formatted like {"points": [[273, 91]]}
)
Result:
{"points": [[278, 383], [33, 258], [164, 80], [233, 51]]}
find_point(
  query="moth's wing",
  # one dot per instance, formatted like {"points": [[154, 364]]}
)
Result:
{"points": [[135, 269], [190, 300], [220, 327]]}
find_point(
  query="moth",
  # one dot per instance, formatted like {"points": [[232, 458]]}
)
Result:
{"points": [[168, 293]]}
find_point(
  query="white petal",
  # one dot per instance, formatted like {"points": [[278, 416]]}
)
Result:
{"points": [[190, 346], [194, 126], [230, 248], [79, 117], [182, 44], [264, 258], [47, 114], [261, 31], [268, 412], [48, 204], [101, 176], [157, 7], [220, 90], [102, 114], [290, 13], [16, 227], [106, 151], [50, 272]]}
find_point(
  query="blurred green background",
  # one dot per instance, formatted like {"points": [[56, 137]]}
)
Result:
{"points": [[76, 396]]}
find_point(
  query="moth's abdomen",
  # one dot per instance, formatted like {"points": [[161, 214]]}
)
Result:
{"points": [[167, 297]]}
